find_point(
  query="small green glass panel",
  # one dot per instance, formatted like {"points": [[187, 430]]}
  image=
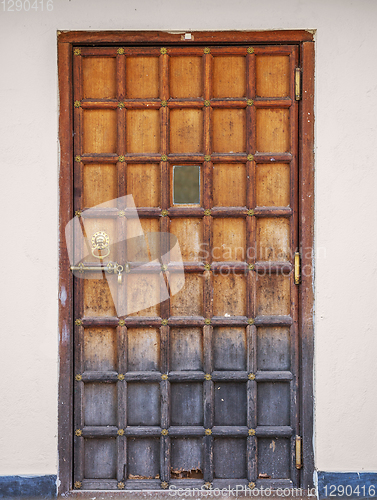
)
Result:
{"points": [[186, 184]]}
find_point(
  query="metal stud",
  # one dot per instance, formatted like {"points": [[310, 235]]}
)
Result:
{"points": [[122, 322], [207, 50], [120, 376], [250, 321], [164, 158], [163, 50], [164, 322], [250, 157], [78, 158], [78, 432], [250, 50], [250, 102], [77, 52], [164, 267], [207, 211], [207, 158], [207, 321], [250, 212], [251, 432], [207, 376], [164, 485], [208, 486], [207, 103], [208, 432], [77, 104], [121, 158], [77, 485], [120, 51], [121, 213], [251, 376], [251, 267], [164, 432], [78, 213], [207, 267], [78, 378], [120, 432], [164, 104], [164, 213], [251, 485], [120, 485], [164, 376], [121, 105], [78, 322]]}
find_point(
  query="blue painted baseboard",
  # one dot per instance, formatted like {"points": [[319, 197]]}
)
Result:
{"points": [[41, 487], [334, 485]]}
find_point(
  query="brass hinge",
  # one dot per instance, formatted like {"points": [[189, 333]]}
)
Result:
{"points": [[298, 452], [297, 268], [298, 84]]}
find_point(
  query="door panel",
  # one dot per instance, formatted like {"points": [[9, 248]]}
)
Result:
{"points": [[201, 388]]}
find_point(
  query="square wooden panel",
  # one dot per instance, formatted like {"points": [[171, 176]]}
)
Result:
{"points": [[98, 300], [273, 185], [143, 131], [186, 131], [186, 403], [229, 348], [190, 237], [272, 76], [229, 185], [143, 458], [143, 294], [186, 349], [142, 77], [273, 348], [272, 130], [273, 239], [100, 184], [143, 182], [229, 239], [142, 245], [229, 76], [99, 131], [100, 458], [274, 457], [186, 458], [143, 403], [273, 403], [229, 130], [230, 403], [186, 77], [100, 404], [273, 295], [189, 300], [143, 353], [100, 349], [229, 457], [99, 78], [229, 295]]}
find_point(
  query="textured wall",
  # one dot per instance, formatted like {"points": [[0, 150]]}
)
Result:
{"points": [[346, 211]]}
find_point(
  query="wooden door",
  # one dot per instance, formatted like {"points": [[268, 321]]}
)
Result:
{"points": [[201, 388]]}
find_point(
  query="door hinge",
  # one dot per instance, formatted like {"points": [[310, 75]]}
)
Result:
{"points": [[297, 268], [298, 452], [298, 84]]}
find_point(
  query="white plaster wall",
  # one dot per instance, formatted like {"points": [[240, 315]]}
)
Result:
{"points": [[346, 211]]}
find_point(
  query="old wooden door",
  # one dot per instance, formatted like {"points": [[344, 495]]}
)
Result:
{"points": [[201, 388]]}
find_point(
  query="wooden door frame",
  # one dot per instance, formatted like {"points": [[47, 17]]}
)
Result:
{"points": [[66, 42]]}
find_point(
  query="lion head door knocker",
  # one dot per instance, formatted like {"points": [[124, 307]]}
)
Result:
{"points": [[100, 245]]}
